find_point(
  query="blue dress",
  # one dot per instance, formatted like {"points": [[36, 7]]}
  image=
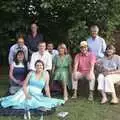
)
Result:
{"points": [[18, 100]]}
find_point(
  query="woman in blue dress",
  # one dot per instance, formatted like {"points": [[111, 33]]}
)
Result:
{"points": [[31, 93], [17, 72]]}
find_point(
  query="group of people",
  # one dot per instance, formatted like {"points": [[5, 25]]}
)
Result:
{"points": [[33, 65]]}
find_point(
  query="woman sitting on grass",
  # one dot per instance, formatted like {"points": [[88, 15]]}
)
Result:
{"points": [[109, 75], [17, 72], [30, 95]]}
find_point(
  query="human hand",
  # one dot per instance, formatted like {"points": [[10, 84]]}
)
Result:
{"points": [[91, 76], [106, 73]]}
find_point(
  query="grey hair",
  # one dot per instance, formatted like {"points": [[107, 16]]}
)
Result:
{"points": [[94, 28]]}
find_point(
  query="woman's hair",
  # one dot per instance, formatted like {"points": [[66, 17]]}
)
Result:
{"points": [[62, 45], [16, 60], [39, 61], [110, 47]]}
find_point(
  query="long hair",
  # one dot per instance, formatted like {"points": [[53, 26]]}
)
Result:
{"points": [[24, 60]]}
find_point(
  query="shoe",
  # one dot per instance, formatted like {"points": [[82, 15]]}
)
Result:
{"points": [[65, 99], [74, 96], [90, 98], [104, 100], [114, 101]]}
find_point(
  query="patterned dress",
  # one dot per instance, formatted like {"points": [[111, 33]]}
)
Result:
{"points": [[62, 72]]}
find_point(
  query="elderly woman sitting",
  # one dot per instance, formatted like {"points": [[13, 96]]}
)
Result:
{"points": [[110, 74]]}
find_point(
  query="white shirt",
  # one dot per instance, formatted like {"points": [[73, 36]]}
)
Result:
{"points": [[46, 58], [97, 46], [54, 53]]}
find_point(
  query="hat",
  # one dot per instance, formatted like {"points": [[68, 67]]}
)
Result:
{"points": [[83, 44]]}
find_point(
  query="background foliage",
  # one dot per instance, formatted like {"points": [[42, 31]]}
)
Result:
{"points": [[59, 20]]}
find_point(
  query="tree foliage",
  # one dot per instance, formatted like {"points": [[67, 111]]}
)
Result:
{"points": [[60, 20]]}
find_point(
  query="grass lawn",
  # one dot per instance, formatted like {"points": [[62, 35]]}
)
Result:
{"points": [[79, 109]]}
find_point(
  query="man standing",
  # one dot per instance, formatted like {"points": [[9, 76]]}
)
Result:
{"points": [[84, 68], [42, 55], [15, 48], [96, 44], [33, 39]]}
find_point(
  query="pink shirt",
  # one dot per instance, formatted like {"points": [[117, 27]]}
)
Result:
{"points": [[84, 62]]}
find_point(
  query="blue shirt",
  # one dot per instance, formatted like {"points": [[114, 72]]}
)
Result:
{"points": [[97, 46]]}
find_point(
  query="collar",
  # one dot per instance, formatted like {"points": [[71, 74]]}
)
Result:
{"points": [[81, 54], [95, 37]]}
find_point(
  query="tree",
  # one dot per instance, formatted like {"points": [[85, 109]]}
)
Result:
{"points": [[61, 20]]}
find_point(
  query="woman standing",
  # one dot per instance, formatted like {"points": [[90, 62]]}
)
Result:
{"points": [[17, 72], [62, 68], [109, 75]]}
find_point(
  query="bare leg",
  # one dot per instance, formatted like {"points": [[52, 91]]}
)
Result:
{"points": [[65, 91], [104, 97], [114, 98]]}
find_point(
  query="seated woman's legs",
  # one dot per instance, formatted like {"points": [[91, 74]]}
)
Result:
{"points": [[65, 90], [101, 88], [110, 80]]}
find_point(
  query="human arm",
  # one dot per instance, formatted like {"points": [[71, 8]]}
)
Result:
{"points": [[103, 45], [11, 54], [32, 62], [76, 63], [91, 75], [70, 64], [26, 53], [47, 89], [25, 84]]}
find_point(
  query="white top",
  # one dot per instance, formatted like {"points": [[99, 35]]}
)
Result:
{"points": [[54, 53], [46, 58], [97, 46]]}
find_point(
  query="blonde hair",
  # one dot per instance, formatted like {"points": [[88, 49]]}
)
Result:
{"points": [[63, 46]]}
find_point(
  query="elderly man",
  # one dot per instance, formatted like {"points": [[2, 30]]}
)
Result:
{"points": [[43, 55], [84, 68], [16, 47], [33, 39], [96, 44]]}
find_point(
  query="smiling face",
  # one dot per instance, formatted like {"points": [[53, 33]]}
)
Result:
{"points": [[61, 50], [20, 42], [39, 67], [94, 34], [110, 52], [50, 47], [42, 47], [94, 31], [84, 49], [34, 28], [20, 56]]}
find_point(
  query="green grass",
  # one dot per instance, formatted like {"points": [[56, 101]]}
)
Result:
{"points": [[79, 109]]}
